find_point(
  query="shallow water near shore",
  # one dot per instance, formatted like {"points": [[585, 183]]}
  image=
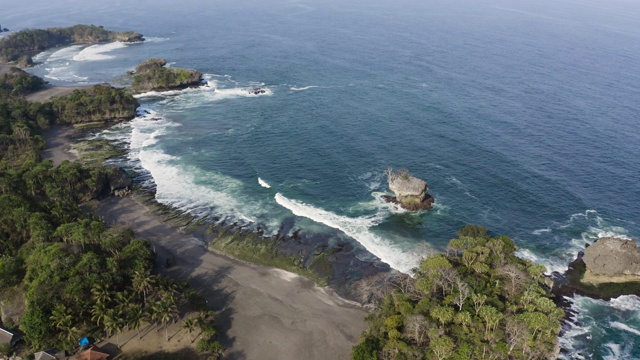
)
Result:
{"points": [[521, 118]]}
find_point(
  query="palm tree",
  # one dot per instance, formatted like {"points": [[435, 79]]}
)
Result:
{"points": [[61, 317], [189, 325], [143, 283], [136, 317], [99, 313], [164, 311], [113, 324], [101, 294]]}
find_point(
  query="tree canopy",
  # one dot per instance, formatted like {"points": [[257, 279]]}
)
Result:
{"points": [[476, 301]]}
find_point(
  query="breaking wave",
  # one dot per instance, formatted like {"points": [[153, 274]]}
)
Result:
{"points": [[98, 52], [358, 229]]}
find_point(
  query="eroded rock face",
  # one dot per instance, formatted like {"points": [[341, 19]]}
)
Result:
{"points": [[613, 260], [411, 193]]}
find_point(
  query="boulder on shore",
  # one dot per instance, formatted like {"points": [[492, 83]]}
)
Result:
{"points": [[410, 192], [612, 260]]}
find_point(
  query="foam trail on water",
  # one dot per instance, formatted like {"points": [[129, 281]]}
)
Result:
{"points": [[303, 88], [97, 52], [263, 183], [357, 228], [621, 326]]}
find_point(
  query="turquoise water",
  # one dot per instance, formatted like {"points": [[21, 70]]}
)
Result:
{"points": [[522, 116]]}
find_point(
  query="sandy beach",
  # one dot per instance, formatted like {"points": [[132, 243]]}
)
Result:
{"points": [[58, 144], [264, 313]]}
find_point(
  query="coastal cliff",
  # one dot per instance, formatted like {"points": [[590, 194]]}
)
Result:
{"points": [[410, 192], [20, 46], [152, 75]]}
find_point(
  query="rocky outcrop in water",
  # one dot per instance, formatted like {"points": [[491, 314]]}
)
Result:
{"points": [[152, 75], [612, 260], [410, 192]]}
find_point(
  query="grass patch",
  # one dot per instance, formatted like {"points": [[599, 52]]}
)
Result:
{"points": [[253, 248], [97, 151]]}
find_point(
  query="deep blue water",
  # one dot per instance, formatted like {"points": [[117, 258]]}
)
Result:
{"points": [[521, 115]]}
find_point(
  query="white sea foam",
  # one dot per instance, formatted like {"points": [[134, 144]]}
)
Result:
{"points": [[303, 88], [358, 229], [621, 326], [627, 303], [98, 52], [589, 320], [155, 39], [593, 227], [541, 231], [209, 91], [263, 183]]}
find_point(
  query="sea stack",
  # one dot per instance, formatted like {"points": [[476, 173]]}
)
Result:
{"points": [[410, 192], [612, 260]]}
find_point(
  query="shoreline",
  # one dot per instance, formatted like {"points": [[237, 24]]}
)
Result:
{"points": [[263, 312]]}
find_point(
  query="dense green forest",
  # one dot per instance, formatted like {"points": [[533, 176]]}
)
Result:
{"points": [[98, 103], [19, 82], [64, 273], [27, 42], [477, 301]]}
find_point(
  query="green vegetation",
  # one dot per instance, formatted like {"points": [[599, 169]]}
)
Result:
{"points": [[98, 103], [66, 271], [151, 75], [477, 301], [97, 151], [28, 42], [19, 82], [253, 248]]}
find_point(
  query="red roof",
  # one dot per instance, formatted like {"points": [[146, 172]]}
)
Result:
{"points": [[93, 354]]}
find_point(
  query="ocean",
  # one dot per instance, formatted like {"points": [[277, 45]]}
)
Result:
{"points": [[521, 116]]}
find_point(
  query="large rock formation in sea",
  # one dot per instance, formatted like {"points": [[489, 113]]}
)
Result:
{"points": [[612, 260], [410, 192], [152, 75]]}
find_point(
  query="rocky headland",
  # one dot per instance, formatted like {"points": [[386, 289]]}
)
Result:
{"points": [[410, 192], [18, 47], [152, 75]]}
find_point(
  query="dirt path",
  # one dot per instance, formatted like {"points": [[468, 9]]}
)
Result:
{"points": [[264, 313]]}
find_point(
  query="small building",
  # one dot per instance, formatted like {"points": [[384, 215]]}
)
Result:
{"points": [[51, 354], [93, 353], [8, 337]]}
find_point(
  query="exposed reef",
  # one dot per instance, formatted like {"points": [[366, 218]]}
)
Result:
{"points": [[410, 192], [152, 75]]}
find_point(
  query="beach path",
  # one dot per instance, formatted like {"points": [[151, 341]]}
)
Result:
{"points": [[264, 313]]}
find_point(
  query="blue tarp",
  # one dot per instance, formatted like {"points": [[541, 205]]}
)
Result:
{"points": [[84, 341]]}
